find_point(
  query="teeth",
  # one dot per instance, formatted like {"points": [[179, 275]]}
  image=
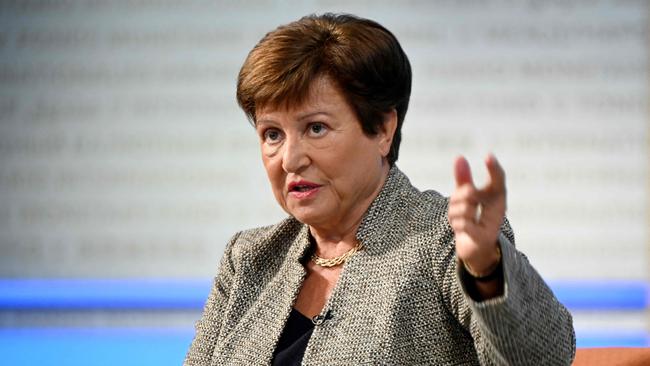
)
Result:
{"points": [[301, 188]]}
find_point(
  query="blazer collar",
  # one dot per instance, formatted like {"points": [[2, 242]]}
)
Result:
{"points": [[300, 247], [379, 220]]}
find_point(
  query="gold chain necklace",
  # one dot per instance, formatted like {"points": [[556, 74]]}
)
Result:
{"points": [[333, 262]]}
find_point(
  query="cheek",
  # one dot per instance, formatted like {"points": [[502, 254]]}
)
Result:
{"points": [[276, 176], [365, 167], [362, 156]]}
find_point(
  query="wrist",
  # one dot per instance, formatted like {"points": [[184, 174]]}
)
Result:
{"points": [[486, 272]]}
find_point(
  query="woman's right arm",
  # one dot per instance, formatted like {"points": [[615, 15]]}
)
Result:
{"points": [[209, 326]]}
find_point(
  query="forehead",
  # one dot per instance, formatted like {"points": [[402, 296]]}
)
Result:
{"points": [[323, 95]]}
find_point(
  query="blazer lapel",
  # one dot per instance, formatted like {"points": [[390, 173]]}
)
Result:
{"points": [[259, 330]]}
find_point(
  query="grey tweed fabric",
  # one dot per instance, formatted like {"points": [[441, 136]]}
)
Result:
{"points": [[399, 301]]}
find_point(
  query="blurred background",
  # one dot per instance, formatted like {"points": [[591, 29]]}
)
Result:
{"points": [[125, 163]]}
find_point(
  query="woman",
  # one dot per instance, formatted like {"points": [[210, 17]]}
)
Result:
{"points": [[366, 269]]}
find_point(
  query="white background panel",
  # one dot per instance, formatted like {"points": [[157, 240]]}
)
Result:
{"points": [[123, 152]]}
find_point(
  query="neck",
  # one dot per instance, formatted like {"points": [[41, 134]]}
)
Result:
{"points": [[334, 240], [332, 243]]}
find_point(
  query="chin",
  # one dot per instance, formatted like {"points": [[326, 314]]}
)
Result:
{"points": [[308, 216], [305, 218]]}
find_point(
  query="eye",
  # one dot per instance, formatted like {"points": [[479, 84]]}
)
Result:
{"points": [[272, 136], [317, 129]]}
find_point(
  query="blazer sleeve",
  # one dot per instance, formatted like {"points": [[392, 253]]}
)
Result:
{"points": [[527, 325], [208, 327]]}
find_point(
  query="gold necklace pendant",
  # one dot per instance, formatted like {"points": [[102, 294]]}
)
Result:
{"points": [[333, 262]]}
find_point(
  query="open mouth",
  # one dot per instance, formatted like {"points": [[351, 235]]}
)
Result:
{"points": [[302, 187]]}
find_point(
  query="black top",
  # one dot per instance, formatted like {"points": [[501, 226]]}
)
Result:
{"points": [[293, 341]]}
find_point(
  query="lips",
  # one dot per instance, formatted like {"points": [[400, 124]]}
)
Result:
{"points": [[302, 188]]}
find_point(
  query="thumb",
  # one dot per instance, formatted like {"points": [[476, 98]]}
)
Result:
{"points": [[462, 172]]}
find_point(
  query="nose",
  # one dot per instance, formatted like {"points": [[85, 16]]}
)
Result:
{"points": [[294, 155]]}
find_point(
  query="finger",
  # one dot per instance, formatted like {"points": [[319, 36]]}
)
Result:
{"points": [[463, 210], [462, 225], [462, 172], [496, 174], [467, 227], [465, 193]]}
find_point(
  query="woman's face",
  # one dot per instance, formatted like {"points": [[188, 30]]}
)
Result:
{"points": [[323, 169]]}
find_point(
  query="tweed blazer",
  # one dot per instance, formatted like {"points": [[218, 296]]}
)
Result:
{"points": [[399, 301]]}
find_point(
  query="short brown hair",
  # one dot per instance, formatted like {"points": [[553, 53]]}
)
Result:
{"points": [[362, 57]]}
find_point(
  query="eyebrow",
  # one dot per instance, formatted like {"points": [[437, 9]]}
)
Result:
{"points": [[311, 114], [300, 117], [262, 121]]}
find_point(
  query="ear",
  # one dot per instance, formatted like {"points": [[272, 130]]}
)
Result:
{"points": [[387, 131]]}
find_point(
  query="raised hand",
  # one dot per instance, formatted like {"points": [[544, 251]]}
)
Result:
{"points": [[476, 215]]}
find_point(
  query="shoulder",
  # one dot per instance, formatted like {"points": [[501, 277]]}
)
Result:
{"points": [[400, 191], [265, 241], [414, 220], [424, 211], [421, 221], [429, 223], [287, 227], [430, 204]]}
